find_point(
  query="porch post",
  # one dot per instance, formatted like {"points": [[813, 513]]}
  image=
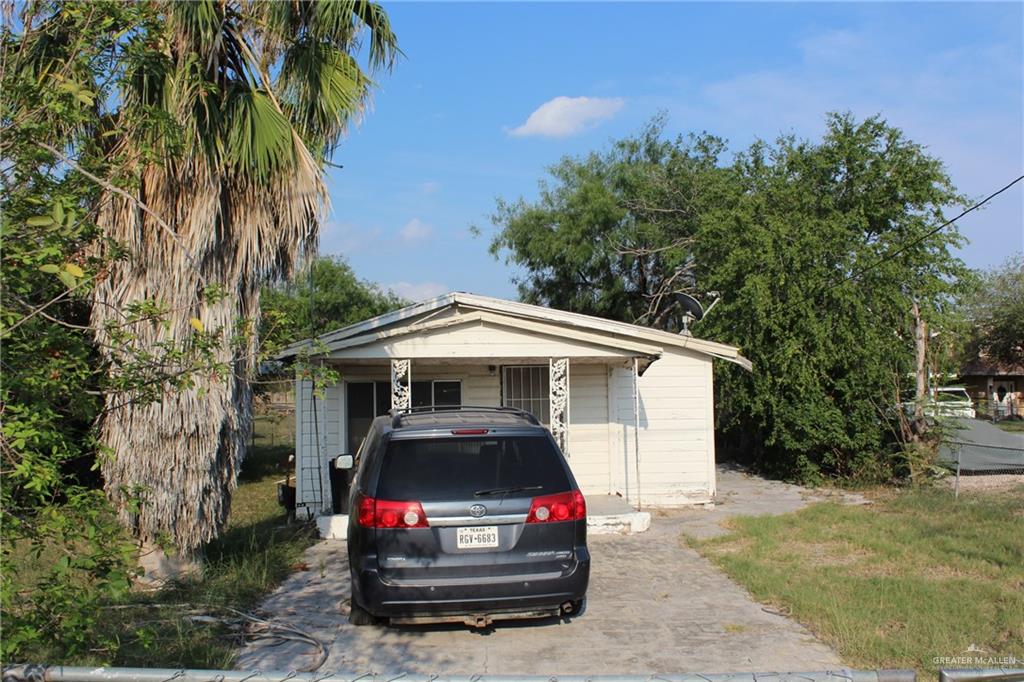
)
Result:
{"points": [[558, 387], [636, 426], [401, 384]]}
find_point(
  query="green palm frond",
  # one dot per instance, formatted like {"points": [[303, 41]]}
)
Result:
{"points": [[340, 22], [383, 41], [259, 136], [198, 20], [322, 88]]}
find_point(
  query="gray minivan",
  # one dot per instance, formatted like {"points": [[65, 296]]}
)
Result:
{"points": [[467, 515]]}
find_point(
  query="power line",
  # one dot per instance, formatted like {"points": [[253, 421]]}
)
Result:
{"points": [[924, 236]]}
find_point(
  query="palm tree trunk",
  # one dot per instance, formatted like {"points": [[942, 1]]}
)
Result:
{"points": [[174, 462]]}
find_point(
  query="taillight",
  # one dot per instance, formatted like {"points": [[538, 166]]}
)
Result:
{"points": [[366, 511], [391, 514], [558, 507], [470, 432]]}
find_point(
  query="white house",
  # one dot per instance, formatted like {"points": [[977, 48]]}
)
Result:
{"points": [[632, 407]]}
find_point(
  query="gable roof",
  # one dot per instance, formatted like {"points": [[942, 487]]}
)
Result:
{"points": [[982, 366], [621, 334]]}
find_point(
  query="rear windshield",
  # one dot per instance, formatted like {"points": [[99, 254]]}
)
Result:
{"points": [[457, 468]]}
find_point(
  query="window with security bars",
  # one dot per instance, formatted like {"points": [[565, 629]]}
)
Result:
{"points": [[527, 388]]}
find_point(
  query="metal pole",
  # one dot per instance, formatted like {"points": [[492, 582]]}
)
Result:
{"points": [[38, 673], [568, 404], [956, 486], [982, 675], [636, 427]]}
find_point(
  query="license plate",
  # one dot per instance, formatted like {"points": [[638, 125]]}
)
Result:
{"points": [[472, 537]]}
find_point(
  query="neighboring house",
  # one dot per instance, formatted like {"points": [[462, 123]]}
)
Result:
{"points": [[997, 389], [632, 407]]}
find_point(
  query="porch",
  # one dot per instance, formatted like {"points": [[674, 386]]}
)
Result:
{"points": [[587, 403]]}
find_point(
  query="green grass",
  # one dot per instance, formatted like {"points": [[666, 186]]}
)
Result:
{"points": [[896, 584], [1013, 425]]}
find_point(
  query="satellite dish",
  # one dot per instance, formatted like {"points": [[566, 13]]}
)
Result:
{"points": [[692, 310], [692, 306]]}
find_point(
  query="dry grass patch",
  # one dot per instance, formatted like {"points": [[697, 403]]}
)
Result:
{"points": [[829, 553], [737, 546]]}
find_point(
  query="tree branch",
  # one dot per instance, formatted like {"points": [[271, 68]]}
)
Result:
{"points": [[135, 200]]}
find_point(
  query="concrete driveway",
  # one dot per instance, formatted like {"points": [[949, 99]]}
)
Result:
{"points": [[654, 606]]}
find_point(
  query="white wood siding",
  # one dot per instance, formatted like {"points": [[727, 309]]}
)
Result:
{"points": [[621, 443], [588, 427], [677, 459], [676, 431], [675, 448]]}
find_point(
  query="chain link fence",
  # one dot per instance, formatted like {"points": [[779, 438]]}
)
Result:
{"points": [[982, 675], [44, 673], [982, 455], [975, 460]]}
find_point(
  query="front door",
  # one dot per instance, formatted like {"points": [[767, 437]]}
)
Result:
{"points": [[1002, 389], [1003, 393]]}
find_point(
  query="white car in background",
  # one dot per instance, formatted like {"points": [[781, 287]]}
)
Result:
{"points": [[948, 401]]}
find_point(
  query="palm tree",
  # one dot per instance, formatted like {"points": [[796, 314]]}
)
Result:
{"points": [[256, 96]]}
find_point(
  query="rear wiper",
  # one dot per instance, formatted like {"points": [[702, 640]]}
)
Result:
{"points": [[506, 491]]}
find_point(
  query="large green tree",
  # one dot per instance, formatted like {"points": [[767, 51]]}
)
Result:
{"points": [[819, 251], [612, 234], [995, 309], [60, 538], [822, 253]]}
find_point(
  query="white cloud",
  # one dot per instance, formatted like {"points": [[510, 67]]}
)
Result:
{"points": [[838, 46], [415, 231], [346, 238], [420, 291], [429, 187], [565, 116]]}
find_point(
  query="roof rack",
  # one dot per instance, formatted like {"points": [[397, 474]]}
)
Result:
{"points": [[397, 413]]}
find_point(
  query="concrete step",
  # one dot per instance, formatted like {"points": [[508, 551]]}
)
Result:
{"points": [[629, 523]]}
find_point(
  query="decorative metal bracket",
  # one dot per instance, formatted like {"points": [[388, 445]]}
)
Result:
{"points": [[401, 384], [559, 393]]}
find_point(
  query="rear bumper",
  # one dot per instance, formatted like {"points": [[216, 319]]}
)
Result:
{"points": [[525, 594]]}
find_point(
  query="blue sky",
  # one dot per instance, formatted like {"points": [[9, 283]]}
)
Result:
{"points": [[488, 97]]}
